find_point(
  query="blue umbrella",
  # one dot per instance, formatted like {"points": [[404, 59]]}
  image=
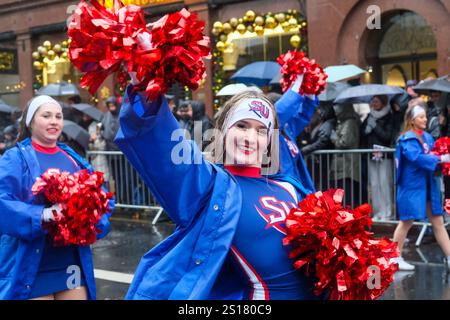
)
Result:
{"points": [[343, 72], [59, 89], [365, 92], [258, 73]]}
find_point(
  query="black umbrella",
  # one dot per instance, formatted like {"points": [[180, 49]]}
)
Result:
{"points": [[91, 111], [365, 92], [59, 89], [332, 90], [7, 108], [432, 85], [77, 133]]}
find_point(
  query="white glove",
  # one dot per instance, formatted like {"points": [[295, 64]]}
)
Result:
{"points": [[48, 214], [445, 158], [297, 83]]}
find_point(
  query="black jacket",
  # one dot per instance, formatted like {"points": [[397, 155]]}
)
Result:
{"points": [[381, 135]]}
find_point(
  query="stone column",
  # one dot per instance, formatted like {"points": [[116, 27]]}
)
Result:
{"points": [[25, 65]]}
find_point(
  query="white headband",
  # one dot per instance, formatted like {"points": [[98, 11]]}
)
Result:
{"points": [[416, 111], [255, 109], [36, 103]]}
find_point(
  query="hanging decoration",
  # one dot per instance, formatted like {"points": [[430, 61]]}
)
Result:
{"points": [[251, 25], [51, 63]]}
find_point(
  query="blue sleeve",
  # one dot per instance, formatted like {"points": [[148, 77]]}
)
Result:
{"points": [[413, 151], [171, 166], [295, 110], [17, 218]]}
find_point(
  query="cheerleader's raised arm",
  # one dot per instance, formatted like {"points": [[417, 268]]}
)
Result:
{"points": [[150, 137]]}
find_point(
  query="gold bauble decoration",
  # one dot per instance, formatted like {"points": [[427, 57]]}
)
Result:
{"points": [[240, 20], [281, 17], [223, 38], [65, 55], [35, 55], [293, 22], [57, 48], [259, 30], [259, 21], [215, 31], [47, 44], [38, 65], [304, 24], [286, 26], [218, 25], [295, 41], [220, 46], [250, 28], [241, 28], [65, 44], [69, 41], [42, 51], [51, 54], [250, 15], [227, 28], [234, 22], [270, 23]]}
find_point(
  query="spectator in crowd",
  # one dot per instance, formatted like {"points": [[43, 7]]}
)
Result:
{"points": [[320, 139], [199, 115], [110, 123], [345, 167], [433, 115], [11, 131], [377, 132], [185, 117], [71, 113], [171, 101]]}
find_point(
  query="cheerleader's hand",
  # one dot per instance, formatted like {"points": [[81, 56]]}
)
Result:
{"points": [[445, 158], [298, 84], [54, 213], [144, 43]]}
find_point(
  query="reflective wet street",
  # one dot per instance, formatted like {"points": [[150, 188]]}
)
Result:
{"points": [[131, 236]]}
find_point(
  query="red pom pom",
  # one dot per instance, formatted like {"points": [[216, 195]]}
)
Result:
{"points": [[105, 41], [333, 243], [294, 63], [441, 147], [83, 201]]}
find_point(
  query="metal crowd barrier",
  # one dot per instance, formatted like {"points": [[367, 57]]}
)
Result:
{"points": [[122, 179], [350, 169], [347, 169]]}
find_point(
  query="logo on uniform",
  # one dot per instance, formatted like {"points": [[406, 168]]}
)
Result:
{"points": [[259, 108], [274, 212], [426, 148]]}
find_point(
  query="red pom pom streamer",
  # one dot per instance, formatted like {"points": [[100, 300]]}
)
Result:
{"points": [[106, 41], [332, 243], [83, 201], [441, 147], [294, 63]]}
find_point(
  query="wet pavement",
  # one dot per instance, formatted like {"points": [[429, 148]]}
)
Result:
{"points": [[132, 235]]}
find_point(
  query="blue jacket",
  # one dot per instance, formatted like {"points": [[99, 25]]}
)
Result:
{"points": [[415, 170], [202, 199], [21, 236], [294, 114]]}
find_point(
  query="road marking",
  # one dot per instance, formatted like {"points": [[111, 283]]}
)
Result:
{"points": [[113, 276]]}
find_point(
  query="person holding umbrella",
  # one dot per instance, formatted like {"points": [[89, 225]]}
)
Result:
{"points": [[418, 189], [31, 267]]}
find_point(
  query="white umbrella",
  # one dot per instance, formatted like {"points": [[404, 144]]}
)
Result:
{"points": [[254, 88], [343, 72], [232, 89]]}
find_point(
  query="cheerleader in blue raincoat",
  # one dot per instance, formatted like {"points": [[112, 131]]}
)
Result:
{"points": [[31, 267], [418, 188], [230, 212]]}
